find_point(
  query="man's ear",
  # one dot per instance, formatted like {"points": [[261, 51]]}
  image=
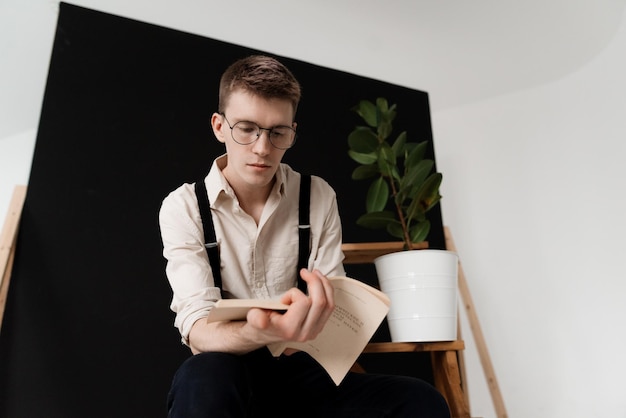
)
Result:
{"points": [[219, 128]]}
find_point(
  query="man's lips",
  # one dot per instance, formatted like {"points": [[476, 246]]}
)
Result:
{"points": [[259, 165]]}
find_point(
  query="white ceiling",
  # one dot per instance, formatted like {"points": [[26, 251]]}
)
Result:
{"points": [[459, 51]]}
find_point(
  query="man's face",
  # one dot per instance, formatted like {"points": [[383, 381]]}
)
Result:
{"points": [[252, 166]]}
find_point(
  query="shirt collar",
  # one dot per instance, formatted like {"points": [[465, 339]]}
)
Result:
{"points": [[279, 185], [216, 183]]}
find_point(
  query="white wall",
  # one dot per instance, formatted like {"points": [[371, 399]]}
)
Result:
{"points": [[536, 194], [528, 115]]}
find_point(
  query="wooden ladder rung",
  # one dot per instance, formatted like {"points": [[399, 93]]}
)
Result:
{"points": [[444, 358], [366, 252], [411, 347]]}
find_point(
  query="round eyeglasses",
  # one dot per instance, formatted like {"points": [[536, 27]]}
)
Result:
{"points": [[245, 133]]}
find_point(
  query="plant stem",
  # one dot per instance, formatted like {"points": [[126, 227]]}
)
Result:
{"points": [[405, 229]]}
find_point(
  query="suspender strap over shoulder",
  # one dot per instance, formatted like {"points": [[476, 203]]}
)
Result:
{"points": [[304, 228], [210, 241]]}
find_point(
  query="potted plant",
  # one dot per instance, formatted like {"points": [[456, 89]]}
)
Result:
{"points": [[422, 284], [404, 186]]}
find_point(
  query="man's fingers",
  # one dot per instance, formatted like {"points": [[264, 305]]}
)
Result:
{"points": [[307, 314], [321, 295], [258, 318]]}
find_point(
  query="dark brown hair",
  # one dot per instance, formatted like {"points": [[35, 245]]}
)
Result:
{"points": [[262, 76]]}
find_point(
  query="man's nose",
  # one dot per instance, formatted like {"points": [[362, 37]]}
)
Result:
{"points": [[263, 145]]}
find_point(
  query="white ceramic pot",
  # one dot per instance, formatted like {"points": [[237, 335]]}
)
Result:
{"points": [[422, 286]]}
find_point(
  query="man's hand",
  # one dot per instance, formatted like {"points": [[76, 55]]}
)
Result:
{"points": [[303, 321], [306, 316]]}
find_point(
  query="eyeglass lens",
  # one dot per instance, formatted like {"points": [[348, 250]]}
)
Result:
{"points": [[247, 132]]}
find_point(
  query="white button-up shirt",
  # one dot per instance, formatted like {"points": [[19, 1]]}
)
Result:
{"points": [[257, 261]]}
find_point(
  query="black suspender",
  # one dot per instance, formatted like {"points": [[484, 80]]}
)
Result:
{"points": [[210, 241], [304, 229]]}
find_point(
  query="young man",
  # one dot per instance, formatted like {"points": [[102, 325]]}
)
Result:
{"points": [[254, 201]]}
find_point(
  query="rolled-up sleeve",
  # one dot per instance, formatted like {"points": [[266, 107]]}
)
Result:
{"points": [[188, 270]]}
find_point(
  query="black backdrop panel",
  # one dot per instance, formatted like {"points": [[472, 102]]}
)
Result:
{"points": [[125, 120]]}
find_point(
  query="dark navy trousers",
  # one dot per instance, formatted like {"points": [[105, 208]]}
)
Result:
{"points": [[257, 385]]}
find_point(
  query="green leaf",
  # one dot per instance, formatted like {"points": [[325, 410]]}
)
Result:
{"points": [[377, 195], [416, 154], [399, 143], [409, 147], [427, 196], [415, 176], [368, 111], [363, 158], [365, 171], [386, 160], [381, 103], [384, 129], [391, 114], [395, 230], [363, 140], [395, 174], [429, 192], [416, 210], [419, 232], [376, 220], [401, 196]]}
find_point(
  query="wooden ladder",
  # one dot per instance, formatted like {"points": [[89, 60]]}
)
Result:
{"points": [[8, 240], [446, 356]]}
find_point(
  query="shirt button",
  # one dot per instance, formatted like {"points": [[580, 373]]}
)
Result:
{"points": [[259, 285]]}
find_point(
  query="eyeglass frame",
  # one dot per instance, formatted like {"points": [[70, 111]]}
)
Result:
{"points": [[269, 132]]}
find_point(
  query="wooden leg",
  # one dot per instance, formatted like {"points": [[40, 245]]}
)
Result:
{"points": [[448, 382], [481, 345], [8, 239], [4, 284]]}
